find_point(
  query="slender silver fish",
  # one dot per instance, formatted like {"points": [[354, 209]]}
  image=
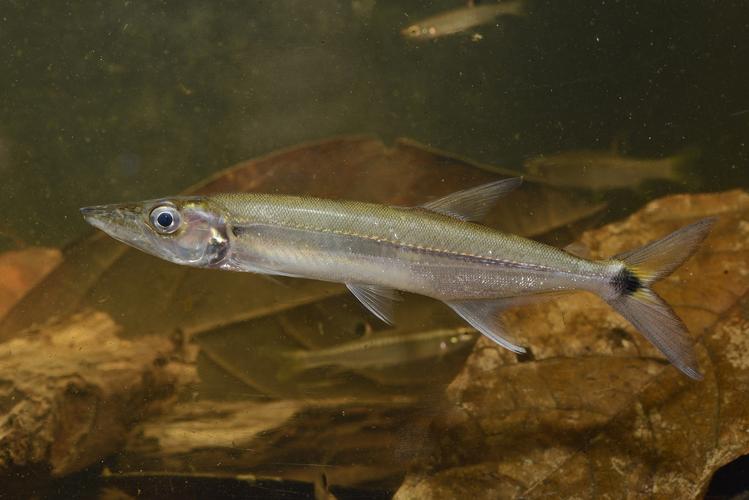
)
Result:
{"points": [[461, 19], [432, 250], [383, 350]]}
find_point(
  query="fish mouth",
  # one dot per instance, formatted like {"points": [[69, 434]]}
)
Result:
{"points": [[115, 220], [121, 222], [98, 216]]}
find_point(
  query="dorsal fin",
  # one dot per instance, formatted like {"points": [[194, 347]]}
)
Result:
{"points": [[474, 203]]}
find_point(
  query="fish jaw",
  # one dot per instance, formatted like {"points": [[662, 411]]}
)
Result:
{"points": [[120, 221], [123, 222]]}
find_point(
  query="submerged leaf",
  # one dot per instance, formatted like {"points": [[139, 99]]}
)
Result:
{"points": [[21, 270], [242, 310], [597, 411]]}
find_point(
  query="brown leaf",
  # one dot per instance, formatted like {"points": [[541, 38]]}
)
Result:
{"points": [[22, 270], [598, 412], [150, 296], [239, 318]]}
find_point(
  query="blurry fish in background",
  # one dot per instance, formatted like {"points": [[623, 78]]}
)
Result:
{"points": [[462, 19], [379, 351], [607, 169]]}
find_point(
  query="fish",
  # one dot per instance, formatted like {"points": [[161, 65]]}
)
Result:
{"points": [[436, 249], [379, 351], [461, 19], [602, 170]]}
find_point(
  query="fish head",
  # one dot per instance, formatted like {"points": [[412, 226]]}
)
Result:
{"points": [[183, 230], [418, 31]]}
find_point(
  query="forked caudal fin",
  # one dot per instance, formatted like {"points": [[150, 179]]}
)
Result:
{"points": [[643, 308]]}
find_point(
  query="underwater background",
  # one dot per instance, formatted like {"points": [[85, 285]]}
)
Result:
{"points": [[102, 102], [107, 102]]}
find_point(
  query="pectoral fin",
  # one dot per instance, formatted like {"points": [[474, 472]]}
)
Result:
{"points": [[473, 204], [486, 317], [377, 299]]}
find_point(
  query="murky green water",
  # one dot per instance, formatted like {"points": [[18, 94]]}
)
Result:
{"points": [[130, 100], [110, 101]]}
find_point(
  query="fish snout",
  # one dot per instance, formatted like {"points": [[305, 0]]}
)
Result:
{"points": [[92, 210], [96, 213], [105, 217]]}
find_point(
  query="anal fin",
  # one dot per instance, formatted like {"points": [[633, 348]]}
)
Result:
{"points": [[379, 300], [486, 317]]}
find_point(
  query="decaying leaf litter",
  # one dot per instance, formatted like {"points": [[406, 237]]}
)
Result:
{"points": [[72, 390], [231, 321], [354, 167], [597, 412], [227, 339]]}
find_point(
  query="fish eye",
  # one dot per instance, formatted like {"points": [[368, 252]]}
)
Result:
{"points": [[165, 219]]}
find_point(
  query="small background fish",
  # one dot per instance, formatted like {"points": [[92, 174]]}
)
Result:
{"points": [[382, 351], [601, 170], [462, 19]]}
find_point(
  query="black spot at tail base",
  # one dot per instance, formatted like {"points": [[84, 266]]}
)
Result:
{"points": [[626, 282]]}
